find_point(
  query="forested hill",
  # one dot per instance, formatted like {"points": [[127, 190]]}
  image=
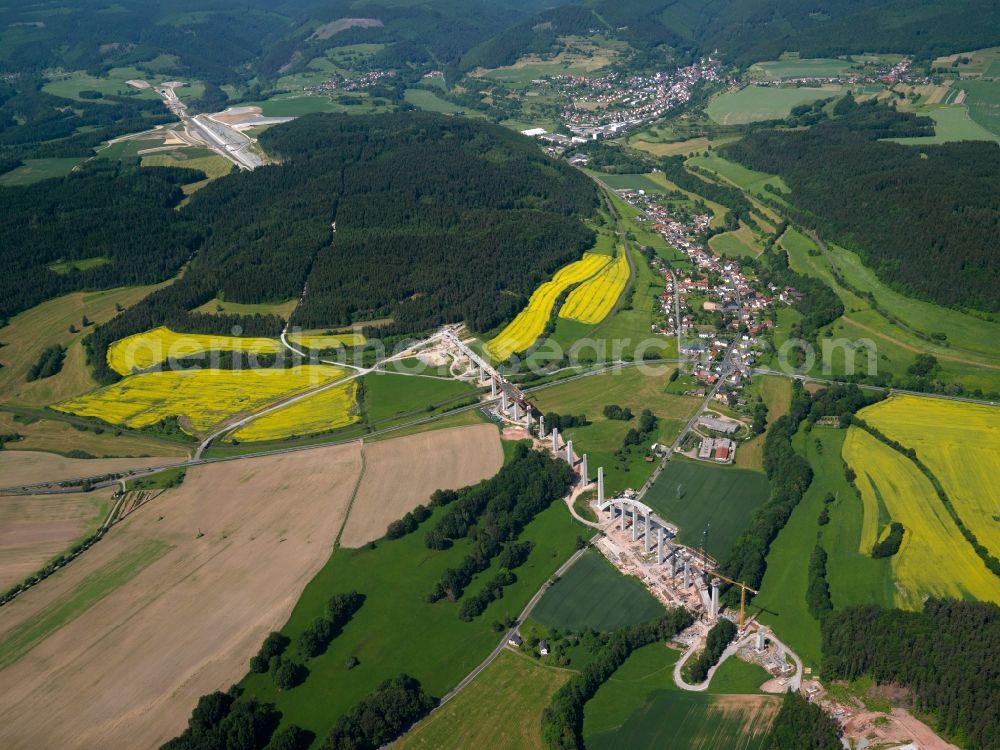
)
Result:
{"points": [[924, 218], [748, 31], [437, 219]]}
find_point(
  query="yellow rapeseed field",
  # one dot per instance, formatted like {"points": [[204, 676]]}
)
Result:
{"points": [[201, 399], [327, 410], [530, 322], [327, 341], [960, 443], [143, 350], [592, 301], [934, 558]]}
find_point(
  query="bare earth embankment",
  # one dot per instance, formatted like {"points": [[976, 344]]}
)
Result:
{"points": [[402, 473], [36, 528], [115, 649], [32, 467]]}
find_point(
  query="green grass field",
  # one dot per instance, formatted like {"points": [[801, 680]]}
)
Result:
{"points": [[742, 177], [808, 68], [594, 596], [758, 103], [735, 244], [396, 630], [36, 170], [854, 578], [295, 105], [82, 264], [511, 693], [632, 182], [983, 100], [71, 84], [957, 122], [282, 309], [603, 437], [693, 494], [431, 102], [640, 707], [390, 397]]}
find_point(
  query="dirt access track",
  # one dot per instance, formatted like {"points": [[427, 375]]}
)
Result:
{"points": [[402, 473], [115, 649]]}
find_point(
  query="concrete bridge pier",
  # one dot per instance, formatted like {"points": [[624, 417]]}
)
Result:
{"points": [[622, 506], [635, 523], [600, 485], [661, 546], [570, 459], [649, 533], [555, 440], [687, 571], [541, 427], [713, 611], [584, 479]]}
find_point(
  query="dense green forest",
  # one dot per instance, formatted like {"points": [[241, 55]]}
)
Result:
{"points": [[925, 219], [946, 655], [123, 215], [437, 220], [801, 725]]}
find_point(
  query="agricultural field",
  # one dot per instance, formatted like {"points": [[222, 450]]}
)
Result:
{"points": [[431, 102], [637, 388], [83, 264], [802, 68], [983, 101], [529, 324], [593, 595], [594, 55], [33, 467], [183, 573], [397, 630], [321, 341], [71, 84], [934, 559], [955, 122], [759, 103], [777, 394], [593, 300], [36, 528], [144, 350], [31, 332], [200, 399], [442, 459], [58, 436], [640, 707], [631, 182], [959, 443], [694, 495], [212, 165], [742, 177], [328, 410], [511, 693], [392, 398], [854, 576], [675, 148]]}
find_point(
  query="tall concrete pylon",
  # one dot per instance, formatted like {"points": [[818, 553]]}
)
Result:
{"points": [[541, 427], [555, 440], [761, 637], [570, 459], [527, 416], [503, 402], [493, 387], [517, 411], [687, 571], [649, 533], [635, 522], [661, 547], [622, 506], [600, 486], [584, 479], [714, 610]]}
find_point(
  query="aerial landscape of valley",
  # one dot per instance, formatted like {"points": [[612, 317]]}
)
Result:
{"points": [[530, 374]]}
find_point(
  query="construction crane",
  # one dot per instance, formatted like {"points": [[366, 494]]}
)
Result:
{"points": [[743, 593]]}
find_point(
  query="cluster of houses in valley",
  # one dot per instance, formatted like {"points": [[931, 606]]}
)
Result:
{"points": [[609, 105], [358, 83]]}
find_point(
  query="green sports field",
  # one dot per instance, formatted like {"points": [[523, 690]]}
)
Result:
{"points": [[758, 103], [640, 707], [693, 494], [593, 595]]}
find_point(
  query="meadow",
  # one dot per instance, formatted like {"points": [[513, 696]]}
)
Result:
{"points": [[738, 244], [511, 693], [397, 630], [223, 307], [854, 576], [57, 436], [593, 595], [777, 395], [934, 558], [326, 411], [143, 350], [36, 170], [740, 176], [200, 399], [33, 331], [694, 495], [593, 300], [818, 67], [759, 103], [628, 387], [431, 102], [529, 324], [640, 707], [211, 164], [321, 341], [960, 444], [983, 100], [956, 122]]}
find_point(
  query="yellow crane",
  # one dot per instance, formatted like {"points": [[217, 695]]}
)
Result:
{"points": [[743, 593]]}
